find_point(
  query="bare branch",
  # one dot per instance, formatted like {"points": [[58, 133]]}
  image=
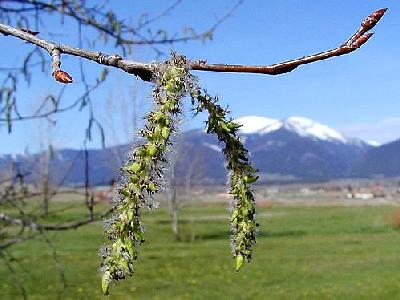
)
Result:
{"points": [[17, 280], [56, 60], [113, 27], [355, 42], [56, 262], [145, 70], [28, 223], [160, 15]]}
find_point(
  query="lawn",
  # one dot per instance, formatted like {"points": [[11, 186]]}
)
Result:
{"points": [[302, 253]]}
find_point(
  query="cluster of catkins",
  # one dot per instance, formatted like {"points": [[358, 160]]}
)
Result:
{"points": [[143, 173]]}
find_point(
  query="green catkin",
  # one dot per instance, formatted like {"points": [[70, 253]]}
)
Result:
{"points": [[242, 175], [143, 173]]}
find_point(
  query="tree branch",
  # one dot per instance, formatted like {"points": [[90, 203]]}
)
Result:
{"points": [[355, 42], [145, 70], [111, 26], [29, 223], [142, 70], [17, 280]]}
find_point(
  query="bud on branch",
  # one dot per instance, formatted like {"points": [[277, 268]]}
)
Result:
{"points": [[62, 76], [29, 31], [366, 25], [355, 42], [58, 74], [145, 70]]}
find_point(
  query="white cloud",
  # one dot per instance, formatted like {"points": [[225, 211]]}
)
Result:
{"points": [[382, 131]]}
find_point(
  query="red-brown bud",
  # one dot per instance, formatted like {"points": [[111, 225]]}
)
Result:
{"points": [[62, 76], [362, 40], [29, 31], [379, 13], [373, 19]]}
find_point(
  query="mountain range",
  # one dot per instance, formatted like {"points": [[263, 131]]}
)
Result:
{"points": [[294, 149]]}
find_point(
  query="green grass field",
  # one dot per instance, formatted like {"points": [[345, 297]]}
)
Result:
{"points": [[302, 253]]}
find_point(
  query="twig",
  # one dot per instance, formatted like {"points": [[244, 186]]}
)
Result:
{"points": [[54, 227], [17, 280], [56, 262], [56, 109], [355, 42], [145, 70], [56, 60], [159, 16], [75, 225]]}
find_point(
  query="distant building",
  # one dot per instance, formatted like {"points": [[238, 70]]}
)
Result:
{"points": [[363, 196]]}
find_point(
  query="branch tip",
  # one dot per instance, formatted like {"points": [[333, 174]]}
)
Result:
{"points": [[29, 31], [362, 40], [370, 21], [359, 38], [145, 70], [62, 76]]}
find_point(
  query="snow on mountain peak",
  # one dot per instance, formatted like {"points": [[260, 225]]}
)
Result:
{"points": [[373, 143], [254, 124], [300, 125], [308, 127]]}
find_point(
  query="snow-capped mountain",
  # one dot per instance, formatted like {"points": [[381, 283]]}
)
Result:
{"points": [[255, 124], [373, 143], [302, 126], [294, 149]]}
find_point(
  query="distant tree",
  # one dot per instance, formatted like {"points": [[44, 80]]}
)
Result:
{"points": [[96, 23], [179, 192], [171, 81]]}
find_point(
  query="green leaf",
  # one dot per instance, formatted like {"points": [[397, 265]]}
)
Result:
{"points": [[224, 127], [170, 87], [165, 132], [239, 261], [105, 282], [152, 149], [129, 246], [134, 179], [251, 179], [234, 126], [152, 187], [134, 167]]}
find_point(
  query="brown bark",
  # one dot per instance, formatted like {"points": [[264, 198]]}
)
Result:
{"points": [[145, 70]]}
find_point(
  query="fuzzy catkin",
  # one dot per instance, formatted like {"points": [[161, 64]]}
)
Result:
{"points": [[143, 173], [241, 176]]}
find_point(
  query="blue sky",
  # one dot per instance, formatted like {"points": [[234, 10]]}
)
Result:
{"points": [[357, 94]]}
